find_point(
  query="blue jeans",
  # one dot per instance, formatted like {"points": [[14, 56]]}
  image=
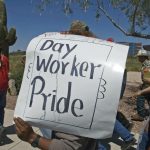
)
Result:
{"points": [[144, 138], [2, 105], [47, 133], [140, 103], [101, 147], [122, 131]]}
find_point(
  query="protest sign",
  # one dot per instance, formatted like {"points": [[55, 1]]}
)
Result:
{"points": [[72, 84]]}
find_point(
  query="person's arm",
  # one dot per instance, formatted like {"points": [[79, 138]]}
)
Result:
{"points": [[145, 91], [142, 92], [25, 132], [146, 80]]}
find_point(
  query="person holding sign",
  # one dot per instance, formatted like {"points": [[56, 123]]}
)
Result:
{"points": [[62, 141], [58, 141], [143, 94]]}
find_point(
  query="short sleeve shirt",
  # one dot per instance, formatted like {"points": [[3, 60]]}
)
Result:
{"points": [[64, 141], [145, 71]]}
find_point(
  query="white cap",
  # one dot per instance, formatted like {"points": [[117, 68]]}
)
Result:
{"points": [[143, 52]]}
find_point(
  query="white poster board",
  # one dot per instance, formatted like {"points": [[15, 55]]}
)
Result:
{"points": [[72, 84]]}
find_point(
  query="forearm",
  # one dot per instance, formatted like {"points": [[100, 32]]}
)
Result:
{"points": [[145, 91], [26, 133], [43, 142], [46, 144], [146, 80]]}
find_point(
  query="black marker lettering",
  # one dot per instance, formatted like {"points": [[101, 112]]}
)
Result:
{"points": [[69, 50], [73, 107], [83, 67], [66, 100], [47, 45]]}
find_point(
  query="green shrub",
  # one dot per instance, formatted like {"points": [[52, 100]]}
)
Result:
{"points": [[133, 64], [16, 68]]}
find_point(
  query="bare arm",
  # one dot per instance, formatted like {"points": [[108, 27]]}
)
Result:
{"points": [[145, 91], [146, 80], [25, 132], [142, 92]]}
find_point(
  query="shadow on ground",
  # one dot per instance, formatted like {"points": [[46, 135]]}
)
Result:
{"points": [[116, 141], [4, 139]]}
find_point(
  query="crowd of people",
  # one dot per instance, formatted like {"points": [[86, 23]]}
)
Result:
{"points": [[54, 140]]}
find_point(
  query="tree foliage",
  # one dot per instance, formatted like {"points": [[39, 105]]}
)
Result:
{"points": [[137, 12]]}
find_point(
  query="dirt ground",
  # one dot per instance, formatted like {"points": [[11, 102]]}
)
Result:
{"points": [[126, 105]]}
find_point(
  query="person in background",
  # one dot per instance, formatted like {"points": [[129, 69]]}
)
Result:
{"points": [[4, 69], [142, 97], [144, 138], [119, 128]]}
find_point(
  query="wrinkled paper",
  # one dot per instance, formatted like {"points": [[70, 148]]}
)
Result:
{"points": [[72, 84]]}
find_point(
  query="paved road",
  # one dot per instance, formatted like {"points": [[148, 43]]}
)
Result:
{"points": [[11, 141], [134, 77]]}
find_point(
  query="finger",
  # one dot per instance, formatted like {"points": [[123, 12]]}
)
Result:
{"points": [[22, 122], [17, 123], [18, 132]]}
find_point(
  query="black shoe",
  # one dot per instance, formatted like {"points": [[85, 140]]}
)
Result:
{"points": [[2, 130], [128, 144]]}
